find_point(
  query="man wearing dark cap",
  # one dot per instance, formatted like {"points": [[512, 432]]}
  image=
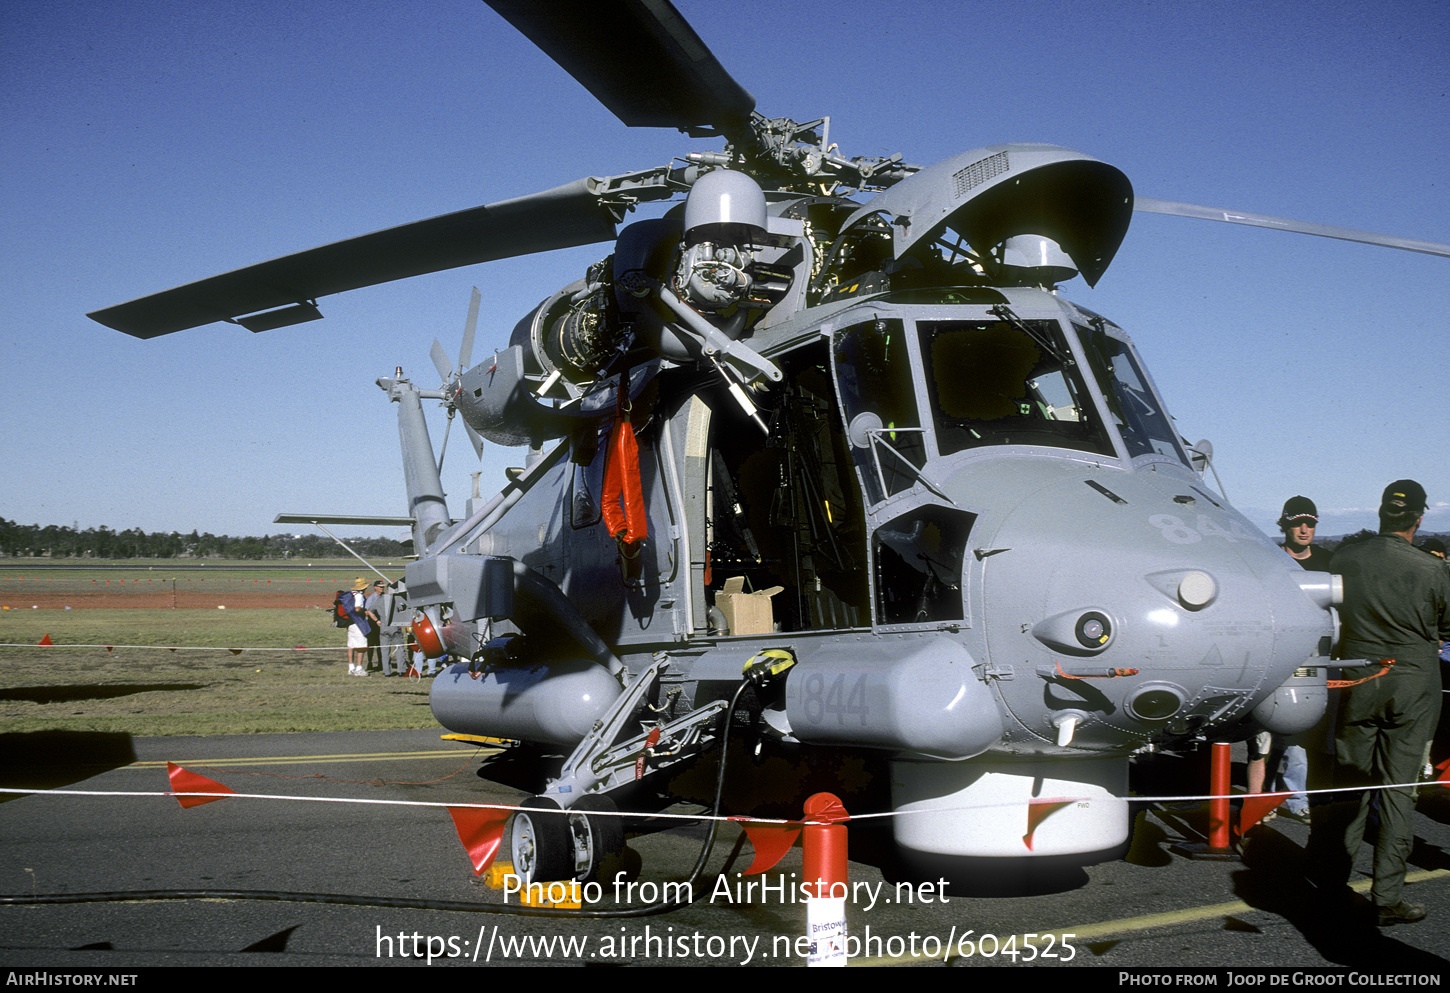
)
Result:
{"points": [[1396, 609], [1298, 520]]}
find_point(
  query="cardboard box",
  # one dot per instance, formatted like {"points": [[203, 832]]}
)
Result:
{"points": [[746, 613]]}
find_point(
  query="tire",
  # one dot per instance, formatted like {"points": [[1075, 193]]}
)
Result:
{"points": [[541, 844], [599, 840]]}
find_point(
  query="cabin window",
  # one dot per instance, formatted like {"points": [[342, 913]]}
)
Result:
{"points": [[1007, 383]]}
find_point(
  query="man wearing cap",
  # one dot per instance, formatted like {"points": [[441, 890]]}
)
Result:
{"points": [[391, 640], [1298, 520], [1396, 610], [373, 604]]}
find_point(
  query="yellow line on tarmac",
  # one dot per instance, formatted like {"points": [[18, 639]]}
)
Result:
{"points": [[1096, 932], [303, 759]]}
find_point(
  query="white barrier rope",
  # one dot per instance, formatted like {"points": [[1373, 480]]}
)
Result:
{"points": [[696, 817], [189, 648]]}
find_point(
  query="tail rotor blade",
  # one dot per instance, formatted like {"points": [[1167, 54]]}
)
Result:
{"points": [[440, 360], [474, 437], [444, 450], [465, 352]]}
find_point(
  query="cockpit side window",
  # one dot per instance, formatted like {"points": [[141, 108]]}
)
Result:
{"points": [[1135, 409], [878, 397], [919, 558], [1007, 383]]}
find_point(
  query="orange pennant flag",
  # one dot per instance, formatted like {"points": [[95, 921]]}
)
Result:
{"points": [[1255, 806], [771, 842], [1037, 812], [183, 781], [481, 831], [46, 640]]}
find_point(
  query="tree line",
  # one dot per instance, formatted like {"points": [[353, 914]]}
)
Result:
{"points": [[60, 542]]}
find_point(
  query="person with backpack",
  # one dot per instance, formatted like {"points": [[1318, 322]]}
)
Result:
{"points": [[354, 604]]}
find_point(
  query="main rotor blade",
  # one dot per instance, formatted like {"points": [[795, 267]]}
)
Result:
{"points": [[465, 351], [563, 217], [1152, 206], [639, 58]]}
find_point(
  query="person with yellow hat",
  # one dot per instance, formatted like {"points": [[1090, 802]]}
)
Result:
{"points": [[354, 603]]}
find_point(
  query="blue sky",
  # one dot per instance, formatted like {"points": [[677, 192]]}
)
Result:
{"points": [[148, 144]]}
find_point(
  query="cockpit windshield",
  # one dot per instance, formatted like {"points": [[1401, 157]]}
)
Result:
{"points": [[1142, 422], [1007, 383]]}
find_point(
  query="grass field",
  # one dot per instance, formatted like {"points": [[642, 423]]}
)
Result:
{"points": [[199, 671], [27, 584]]}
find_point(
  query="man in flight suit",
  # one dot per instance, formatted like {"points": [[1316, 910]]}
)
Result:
{"points": [[1396, 609]]}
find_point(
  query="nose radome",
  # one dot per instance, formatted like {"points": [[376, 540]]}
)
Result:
{"points": [[1144, 611]]}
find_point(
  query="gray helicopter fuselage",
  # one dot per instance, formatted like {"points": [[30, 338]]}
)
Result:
{"points": [[952, 516], [1031, 545]]}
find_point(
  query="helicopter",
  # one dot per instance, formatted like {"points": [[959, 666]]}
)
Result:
{"points": [[878, 464]]}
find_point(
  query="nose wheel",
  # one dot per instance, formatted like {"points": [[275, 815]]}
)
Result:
{"points": [[541, 842], [599, 840], [580, 844]]}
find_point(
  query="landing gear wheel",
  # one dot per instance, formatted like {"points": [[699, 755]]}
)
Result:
{"points": [[542, 843], [598, 841]]}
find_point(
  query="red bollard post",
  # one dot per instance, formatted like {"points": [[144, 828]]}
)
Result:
{"points": [[823, 846], [1220, 818]]}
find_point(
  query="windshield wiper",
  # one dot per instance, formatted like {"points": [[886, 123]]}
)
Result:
{"points": [[1002, 312]]}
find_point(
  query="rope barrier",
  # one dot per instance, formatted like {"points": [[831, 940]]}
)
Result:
{"points": [[480, 827], [189, 648], [730, 818]]}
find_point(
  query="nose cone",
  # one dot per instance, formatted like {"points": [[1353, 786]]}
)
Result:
{"points": [[1105, 572]]}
